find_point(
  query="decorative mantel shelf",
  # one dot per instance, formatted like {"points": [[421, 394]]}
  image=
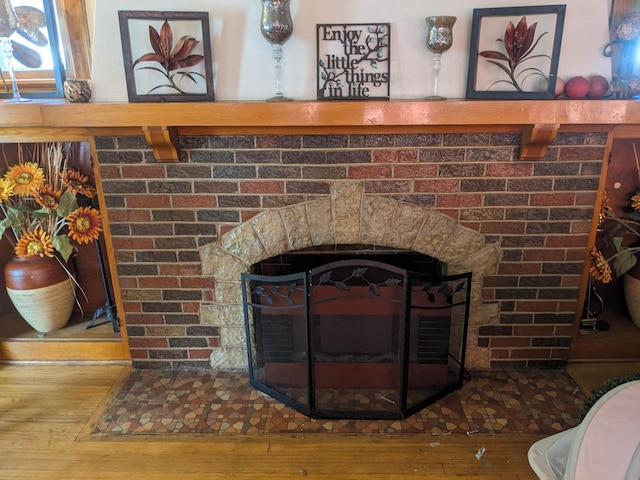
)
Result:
{"points": [[161, 123]]}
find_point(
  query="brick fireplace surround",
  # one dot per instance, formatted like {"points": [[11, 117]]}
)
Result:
{"points": [[182, 232]]}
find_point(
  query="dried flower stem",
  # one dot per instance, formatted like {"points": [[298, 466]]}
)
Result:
{"points": [[14, 235], [635, 155]]}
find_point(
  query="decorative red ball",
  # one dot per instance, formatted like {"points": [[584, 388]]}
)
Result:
{"points": [[598, 86], [577, 88]]}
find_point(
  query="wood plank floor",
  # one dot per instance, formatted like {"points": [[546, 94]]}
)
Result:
{"points": [[47, 412]]}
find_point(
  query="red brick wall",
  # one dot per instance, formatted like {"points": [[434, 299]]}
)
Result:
{"points": [[540, 212]]}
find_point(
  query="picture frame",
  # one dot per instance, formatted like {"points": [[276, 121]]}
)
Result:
{"points": [[530, 73], [190, 80], [36, 51], [353, 61]]}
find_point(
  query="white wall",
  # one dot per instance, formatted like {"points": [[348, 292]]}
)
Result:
{"points": [[242, 58]]}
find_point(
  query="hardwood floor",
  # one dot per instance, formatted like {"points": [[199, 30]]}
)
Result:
{"points": [[47, 412]]}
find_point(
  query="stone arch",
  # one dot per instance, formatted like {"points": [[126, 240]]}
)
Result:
{"points": [[347, 216]]}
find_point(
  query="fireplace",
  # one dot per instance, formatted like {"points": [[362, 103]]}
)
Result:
{"points": [[356, 338], [348, 216], [192, 203]]}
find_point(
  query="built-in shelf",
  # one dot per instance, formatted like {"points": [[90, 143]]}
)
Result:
{"points": [[74, 342], [620, 342]]}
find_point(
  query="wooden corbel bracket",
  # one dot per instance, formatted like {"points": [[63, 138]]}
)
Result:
{"points": [[536, 140], [163, 141]]}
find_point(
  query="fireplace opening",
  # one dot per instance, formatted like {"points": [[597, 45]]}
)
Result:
{"points": [[309, 258], [349, 335]]}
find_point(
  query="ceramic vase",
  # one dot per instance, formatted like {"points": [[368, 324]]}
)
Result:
{"points": [[77, 91], [41, 290], [632, 297]]}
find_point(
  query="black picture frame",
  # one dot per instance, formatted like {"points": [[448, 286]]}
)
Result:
{"points": [[144, 80], [354, 61], [487, 80], [45, 39]]}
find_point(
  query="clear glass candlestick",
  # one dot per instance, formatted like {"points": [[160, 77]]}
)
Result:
{"points": [[439, 40], [7, 53], [276, 26]]}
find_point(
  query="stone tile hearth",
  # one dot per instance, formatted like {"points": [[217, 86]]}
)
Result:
{"points": [[156, 402]]}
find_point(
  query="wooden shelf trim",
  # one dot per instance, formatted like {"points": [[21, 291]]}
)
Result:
{"points": [[160, 123], [536, 140], [163, 141], [64, 351]]}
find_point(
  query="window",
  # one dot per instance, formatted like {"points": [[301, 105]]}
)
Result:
{"points": [[46, 54]]}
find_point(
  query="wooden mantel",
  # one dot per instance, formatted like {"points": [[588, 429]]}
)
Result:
{"points": [[539, 121]]}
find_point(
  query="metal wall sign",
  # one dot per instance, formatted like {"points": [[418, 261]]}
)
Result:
{"points": [[353, 61]]}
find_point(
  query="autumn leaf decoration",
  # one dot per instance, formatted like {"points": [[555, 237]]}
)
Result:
{"points": [[519, 43], [171, 59]]}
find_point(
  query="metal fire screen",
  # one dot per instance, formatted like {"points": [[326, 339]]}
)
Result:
{"points": [[356, 339]]}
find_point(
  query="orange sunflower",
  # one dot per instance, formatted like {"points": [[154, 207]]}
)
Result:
{"points": [[34, 243], [77, 183], [27, 177], [604, 208], [6, 189], [600, 269], [84, 224], [635, 201], [47, 197]]}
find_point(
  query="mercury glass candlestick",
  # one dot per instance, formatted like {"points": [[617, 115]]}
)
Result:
{"points": [[439, 40], [276, 26]]}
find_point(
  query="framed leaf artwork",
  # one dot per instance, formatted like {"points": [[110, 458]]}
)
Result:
{"points": [[167, 56], [514, 52]]}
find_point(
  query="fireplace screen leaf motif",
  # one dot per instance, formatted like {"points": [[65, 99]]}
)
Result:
{"points": [[356, 338]]}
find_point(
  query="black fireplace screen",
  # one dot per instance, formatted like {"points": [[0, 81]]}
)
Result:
{"points": [[356, 339]]}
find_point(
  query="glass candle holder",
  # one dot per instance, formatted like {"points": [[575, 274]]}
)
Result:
{"points": [[276, 26], [439, 40]]}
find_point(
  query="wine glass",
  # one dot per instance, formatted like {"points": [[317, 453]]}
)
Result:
{"points": [[439, 40], [8, 26], [276, 26]]}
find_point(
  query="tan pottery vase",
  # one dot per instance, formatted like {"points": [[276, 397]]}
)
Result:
{"points": [[41, 291], [632, 293]]}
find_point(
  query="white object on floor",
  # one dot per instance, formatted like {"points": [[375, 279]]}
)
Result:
{"points": [[605, 445]]}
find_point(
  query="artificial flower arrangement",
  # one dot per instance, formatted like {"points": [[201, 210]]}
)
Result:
{"points": [[623, 234], [38, 200]]}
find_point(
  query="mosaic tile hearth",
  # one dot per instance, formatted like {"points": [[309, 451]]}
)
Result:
{"points": [[155, 402]]}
